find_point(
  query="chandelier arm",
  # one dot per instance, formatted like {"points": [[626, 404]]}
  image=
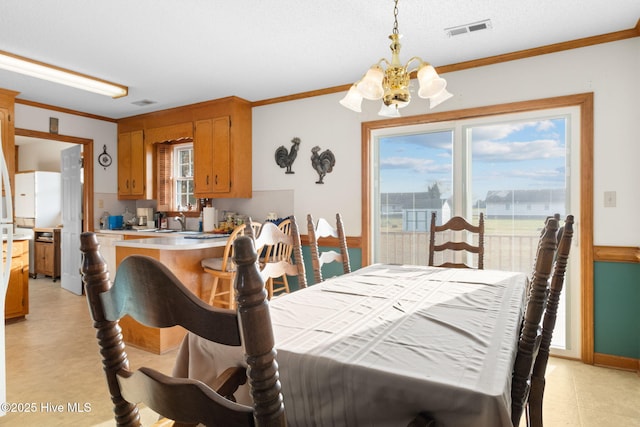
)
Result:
{"points": [[420, 64], [381, 61]]}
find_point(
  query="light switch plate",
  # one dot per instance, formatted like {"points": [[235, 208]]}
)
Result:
{"points": [[609, 199]]}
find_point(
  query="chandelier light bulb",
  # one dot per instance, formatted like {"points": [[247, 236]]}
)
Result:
{"points": [[353, 100], [371, 84]]}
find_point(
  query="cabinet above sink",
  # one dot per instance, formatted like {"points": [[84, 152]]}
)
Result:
{"points": [[222, 148]]}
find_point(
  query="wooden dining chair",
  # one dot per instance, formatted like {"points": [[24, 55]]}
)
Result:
{"points": [[462, 247], [530, 334], [273, 268], [147, 291], [534, 405], [223, 269], [255, 227], [321, 230], [280, 251]]}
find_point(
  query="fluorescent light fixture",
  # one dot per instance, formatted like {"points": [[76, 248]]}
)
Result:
{"points": [[40, 70]]}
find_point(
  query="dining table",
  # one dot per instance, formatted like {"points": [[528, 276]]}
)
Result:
{"points": [[377, 346]]}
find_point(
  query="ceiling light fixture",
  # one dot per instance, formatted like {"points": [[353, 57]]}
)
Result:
{"points": [[392, 84], [40, 70]]}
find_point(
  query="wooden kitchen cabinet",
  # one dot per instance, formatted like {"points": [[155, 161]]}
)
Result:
{"points": [[212, 157], [17, 298], [131, 165], [47, 252], [222, 152], [221, 134]]}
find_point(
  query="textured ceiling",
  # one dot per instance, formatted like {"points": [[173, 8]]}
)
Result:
{"points": [[180, 52]]}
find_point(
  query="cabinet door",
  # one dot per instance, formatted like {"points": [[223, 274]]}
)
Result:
{"points": [[212, 156], [137, 163], [17, 298], [131, 166], [203, 158], [40, 258], [124, 164], [221, 155]]}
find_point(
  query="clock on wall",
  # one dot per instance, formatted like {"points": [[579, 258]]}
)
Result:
{"points": [[104, 158]]}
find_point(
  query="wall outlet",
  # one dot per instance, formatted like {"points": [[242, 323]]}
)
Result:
{"points": [[100, 203], [609, 199]]}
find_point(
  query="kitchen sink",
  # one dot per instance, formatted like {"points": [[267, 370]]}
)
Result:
{"points": [[190, 232]]}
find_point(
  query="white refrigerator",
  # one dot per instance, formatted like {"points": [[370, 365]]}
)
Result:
{"points": [[38, 203], [6, 224]]}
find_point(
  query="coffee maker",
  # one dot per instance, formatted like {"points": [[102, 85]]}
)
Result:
{"points": [[144, 218]]}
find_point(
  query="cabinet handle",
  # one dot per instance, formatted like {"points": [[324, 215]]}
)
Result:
{"points": [[216, 179], [207, 179], [127, 184], [133, 184]]}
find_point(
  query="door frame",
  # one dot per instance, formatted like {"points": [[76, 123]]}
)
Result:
{"points": [[585, 229], [87, 156]]}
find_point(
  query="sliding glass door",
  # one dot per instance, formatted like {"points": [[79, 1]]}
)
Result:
{"points": [[516, 169]]}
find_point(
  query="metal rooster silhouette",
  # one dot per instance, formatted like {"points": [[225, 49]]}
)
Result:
{"points": [[285, 158], [323, 163]]}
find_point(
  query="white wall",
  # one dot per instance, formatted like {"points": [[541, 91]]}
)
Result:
{"points": [[102, 132], [41, 155], [609, 70]]}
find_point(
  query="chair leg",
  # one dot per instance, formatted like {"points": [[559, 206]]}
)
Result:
{"points": [[232, 293], [269, 287], [285, 281], [534, 406], [214, 289]]}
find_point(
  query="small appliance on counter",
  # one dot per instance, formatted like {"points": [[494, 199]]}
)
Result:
{"points": [[115, 222], [144, 219]]}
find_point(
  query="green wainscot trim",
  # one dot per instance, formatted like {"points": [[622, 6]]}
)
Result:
{"points": [[617, 309], [329, 270]]}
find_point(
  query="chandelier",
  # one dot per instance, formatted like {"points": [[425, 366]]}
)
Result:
{"points": [[392, 83]]}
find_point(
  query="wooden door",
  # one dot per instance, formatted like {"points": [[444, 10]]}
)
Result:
{"points": [[71, 167]]}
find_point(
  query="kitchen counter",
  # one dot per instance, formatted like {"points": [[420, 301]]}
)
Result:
{"points": [[17, 237], [180, 253], [175, 243]]}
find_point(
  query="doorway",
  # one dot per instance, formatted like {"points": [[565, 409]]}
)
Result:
{"points": [[87, 154]]}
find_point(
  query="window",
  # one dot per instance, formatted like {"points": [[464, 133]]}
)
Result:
{"points": [[175, 177], [183, 198]]}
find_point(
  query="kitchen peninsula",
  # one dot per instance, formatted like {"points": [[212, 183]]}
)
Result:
{"points": [[181, 253]]}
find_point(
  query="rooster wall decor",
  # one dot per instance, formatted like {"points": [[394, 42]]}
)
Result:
{"points": [[285, 158], [323, 163]]}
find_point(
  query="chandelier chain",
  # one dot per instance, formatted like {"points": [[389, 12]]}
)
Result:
{"points": [[395, 17]]}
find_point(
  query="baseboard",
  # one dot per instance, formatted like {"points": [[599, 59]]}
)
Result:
{"points": [[619, 362]]}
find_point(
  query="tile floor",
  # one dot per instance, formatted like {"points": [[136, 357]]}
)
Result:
{"points": [[52, 359]]}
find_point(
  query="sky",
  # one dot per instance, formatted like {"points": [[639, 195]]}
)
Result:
{"points": [[514, 155]]}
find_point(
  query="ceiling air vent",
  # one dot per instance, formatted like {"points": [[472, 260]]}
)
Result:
{"points": [[468, 28], [143, 102]]}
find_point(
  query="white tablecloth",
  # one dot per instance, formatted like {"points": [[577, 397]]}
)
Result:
{"points": [[377, 346]]}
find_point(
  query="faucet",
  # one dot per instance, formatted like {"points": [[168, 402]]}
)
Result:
{"points": [[182, 220]]}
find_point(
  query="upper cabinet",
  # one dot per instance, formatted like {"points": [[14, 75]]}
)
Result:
{"points": [[221, 135], [212, 157], [131, 165]]}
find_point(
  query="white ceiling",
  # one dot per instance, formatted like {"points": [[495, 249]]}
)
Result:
{"points": [[180, 52]]}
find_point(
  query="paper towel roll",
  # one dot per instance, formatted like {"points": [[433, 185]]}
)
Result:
{"points": [[208, 219]]}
